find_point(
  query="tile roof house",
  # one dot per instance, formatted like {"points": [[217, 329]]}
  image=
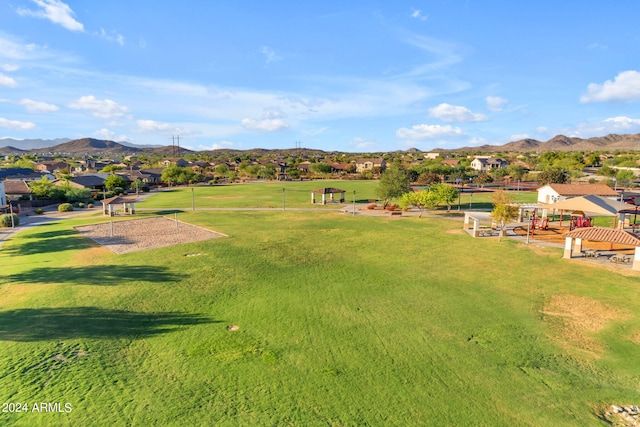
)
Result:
{"points": [[16, 189], [484, 164], [370, 164], [553, 193]]}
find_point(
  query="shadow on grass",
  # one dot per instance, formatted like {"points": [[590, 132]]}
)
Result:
{"points": [[37, 324], [50, 234], [63, 241], [168, 212], [103, 275]]}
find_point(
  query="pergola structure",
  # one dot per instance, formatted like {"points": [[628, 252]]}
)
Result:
{"points": [[573, 241], [109, 206], [330, 191]]}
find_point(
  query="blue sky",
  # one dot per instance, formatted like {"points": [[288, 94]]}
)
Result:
{"points": [[357, 76]]}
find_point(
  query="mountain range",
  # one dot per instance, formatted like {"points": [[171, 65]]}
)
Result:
{"points": [[65, 146]]}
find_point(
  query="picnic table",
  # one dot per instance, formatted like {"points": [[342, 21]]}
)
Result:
{"points": [[620, 259], [591, 253]]}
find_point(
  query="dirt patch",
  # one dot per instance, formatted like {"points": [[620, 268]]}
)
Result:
{"points": [[144, 234], [454, 231], [577, 319]]}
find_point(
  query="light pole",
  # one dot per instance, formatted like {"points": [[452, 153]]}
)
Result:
{"points": [[283, 205], [459, 191], [13, 225], [193, 199], [354, 202], [470, 199]]}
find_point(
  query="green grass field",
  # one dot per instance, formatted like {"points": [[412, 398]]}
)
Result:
{"points": [[342, 321]]}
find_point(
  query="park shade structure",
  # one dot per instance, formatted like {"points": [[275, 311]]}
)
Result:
{"points": [[330, 191]]}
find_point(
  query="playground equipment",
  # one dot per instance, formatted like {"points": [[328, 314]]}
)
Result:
{"points": [[579, 220], [539, 223]]}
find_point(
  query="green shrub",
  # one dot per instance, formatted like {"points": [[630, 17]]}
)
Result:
{"points": [[65, 207], [81, 205], [90, 205], [39, 211], [5, 220]]}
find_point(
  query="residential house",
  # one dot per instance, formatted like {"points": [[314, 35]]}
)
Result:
{"points": [[487, 163], [20, 173], [165, 163], [553, 193], [52, 166], [17, 189], [370, 164], [93, 181]]}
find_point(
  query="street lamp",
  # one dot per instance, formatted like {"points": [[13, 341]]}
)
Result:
{"points": [[470, 199], [13, 225], [354, 202], [193, 200]]}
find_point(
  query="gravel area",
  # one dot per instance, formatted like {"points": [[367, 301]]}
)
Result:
{"points": [[142, 234]]}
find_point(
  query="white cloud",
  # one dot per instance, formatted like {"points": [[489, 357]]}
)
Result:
{"points": [[104, 109], [430, 132], [264, 125], [495, 103], [38, 107], [519, 136], [362, 143], [417, 14], [270, 54], [16, 125], [113, 37], [217, 145], [476, 141], [7, 81], [9, 67], [625, 87], [151, 126], [455, 113], [105, 133], [623, 122], [56, 12]]}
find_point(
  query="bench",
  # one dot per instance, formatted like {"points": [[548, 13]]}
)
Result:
{"points": [[396, 213]]}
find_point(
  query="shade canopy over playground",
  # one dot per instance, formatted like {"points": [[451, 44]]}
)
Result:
{"points": [[592, 204]]}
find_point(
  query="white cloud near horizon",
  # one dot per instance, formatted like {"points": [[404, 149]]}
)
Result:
{"points": [[153, 126], [264, 125], [104, 109], [37, 106], [495, 103], [455, 113], [55, 11], [624, 87], [16, 125], [424, 131]]}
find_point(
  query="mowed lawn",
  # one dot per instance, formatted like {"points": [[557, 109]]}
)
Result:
{"points": [[312, 318]]}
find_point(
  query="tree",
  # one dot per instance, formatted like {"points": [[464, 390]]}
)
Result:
{"points": [[422, 200], [503, 209], [444, 193], [321, 168], [625, 177], [553, 176], [42, 188], [177, 175], [115, 181], [394, 182]]}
